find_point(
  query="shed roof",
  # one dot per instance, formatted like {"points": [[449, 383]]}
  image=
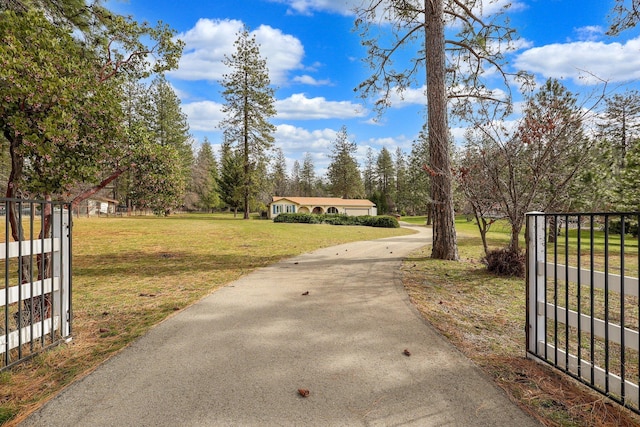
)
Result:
{"points": [[325, 201]]}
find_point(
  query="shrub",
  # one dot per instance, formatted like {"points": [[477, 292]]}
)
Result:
{"points": [[630, 227], [506, 262], [304, 218], [338, 219]]}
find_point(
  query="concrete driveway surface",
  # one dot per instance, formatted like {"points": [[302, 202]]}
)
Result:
{"points": [[239, 356]]}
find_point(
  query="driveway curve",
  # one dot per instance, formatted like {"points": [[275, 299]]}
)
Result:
{"points": [[239, 356]]}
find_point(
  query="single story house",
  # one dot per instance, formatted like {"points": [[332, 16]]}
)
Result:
{"points": [[321, 205]]}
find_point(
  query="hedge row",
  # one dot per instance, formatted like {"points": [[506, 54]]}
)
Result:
{"points": [[339, 219], [630, 227]]}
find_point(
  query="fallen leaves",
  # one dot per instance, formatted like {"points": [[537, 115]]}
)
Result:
{"points": [[303, 392]]}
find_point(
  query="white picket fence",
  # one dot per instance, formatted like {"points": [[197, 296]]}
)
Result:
{"points": [[56, 327], [545, 276]]}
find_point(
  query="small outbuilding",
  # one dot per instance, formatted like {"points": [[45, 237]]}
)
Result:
{"points": [[321, 205]]}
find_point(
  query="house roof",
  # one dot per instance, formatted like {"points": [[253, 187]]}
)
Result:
{"points": [[326, 201]]}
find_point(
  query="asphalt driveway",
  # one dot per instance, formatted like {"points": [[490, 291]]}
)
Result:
{"points": [[239, 356]]}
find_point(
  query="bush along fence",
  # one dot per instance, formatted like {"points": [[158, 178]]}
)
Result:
{"points": [[338, 219], [583, 305], [35, 304]]}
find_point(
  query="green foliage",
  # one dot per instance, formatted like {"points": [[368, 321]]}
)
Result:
{"points": [[630, 227], [307, 177], [7, 412], [205, 179], [343, 173], [159, 146], [61, 73], [53, 114], [340, 219], [249, 104], [230, 179]]}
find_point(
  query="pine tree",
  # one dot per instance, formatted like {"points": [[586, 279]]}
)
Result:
{"points": [[343, 173], [170, 129], [402, 189], [296, 183], [307, 176], [205, 178], [385, 179], [230, 179], [369, 173], [419, 196], [280, 181], [249, 105], [452, 68]]}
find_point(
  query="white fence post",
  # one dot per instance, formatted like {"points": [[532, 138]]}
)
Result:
{"points": [[61, 230], [536, 240]]}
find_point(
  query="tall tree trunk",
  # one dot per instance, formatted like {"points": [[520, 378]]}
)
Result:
{"points": [[444, 233], [247, 180]]}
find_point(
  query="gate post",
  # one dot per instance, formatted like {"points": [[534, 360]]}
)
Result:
{"points": [[535, 277], [62, 268]]}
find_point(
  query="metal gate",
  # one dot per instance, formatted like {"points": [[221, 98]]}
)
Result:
{"points": [[35, 304], [583, 305]]}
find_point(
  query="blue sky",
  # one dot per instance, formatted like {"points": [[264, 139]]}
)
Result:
{"points": [[315, 62]]}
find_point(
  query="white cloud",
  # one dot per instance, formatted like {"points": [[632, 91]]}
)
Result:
{"points": [[346, 7], [207, 43], [391, 142], [589, 33], [299, 107], [308, 80], [282, 52], [586, 63], [410, 96], [296, 141], [307, 7], [304, 140], [203, 115]]}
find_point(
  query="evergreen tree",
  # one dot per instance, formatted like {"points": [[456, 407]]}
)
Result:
{"points": [[385, 175], [249, 105], [307, 176], [343, 173], [230, 182], [369, 173], [419, 194], [280, 181], [170, 130], [205, 178], [621, 124], [296, 181], [401, 189], [629, 199]]}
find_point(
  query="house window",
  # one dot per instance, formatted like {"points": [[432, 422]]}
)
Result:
{"points": [[332, 210], [291, 208], [277, 209]]}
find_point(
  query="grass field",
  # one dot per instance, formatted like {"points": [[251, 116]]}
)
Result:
{"points": [[129, 273]]}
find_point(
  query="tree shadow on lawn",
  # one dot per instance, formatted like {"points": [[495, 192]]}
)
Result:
{"points": [[158, 264]]}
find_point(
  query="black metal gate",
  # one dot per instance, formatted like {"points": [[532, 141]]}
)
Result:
{"points": [[583, 305], [35, 304]]}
